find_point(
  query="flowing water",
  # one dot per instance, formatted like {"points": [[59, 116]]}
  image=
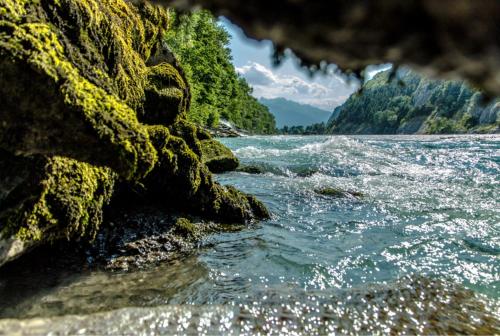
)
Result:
{"points": [[412, 245]]}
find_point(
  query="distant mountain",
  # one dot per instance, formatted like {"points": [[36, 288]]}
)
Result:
{"points": [[410, 103], [290, 113]]}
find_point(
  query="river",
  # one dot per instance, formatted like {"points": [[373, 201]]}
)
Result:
{"points": [[410, 243]]}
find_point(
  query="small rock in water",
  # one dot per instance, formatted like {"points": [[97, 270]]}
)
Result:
{"points": [[250, 169], [338, 193], [306, 172]]}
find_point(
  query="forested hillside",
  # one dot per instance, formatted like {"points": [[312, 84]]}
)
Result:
{"points": [[410, 103], [201, 46]]}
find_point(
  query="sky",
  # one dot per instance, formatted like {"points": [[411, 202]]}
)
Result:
{"points": [[253, 61]]}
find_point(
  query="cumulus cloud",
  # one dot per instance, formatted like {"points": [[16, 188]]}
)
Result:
{"points": [[257, 74], [269, 84]]}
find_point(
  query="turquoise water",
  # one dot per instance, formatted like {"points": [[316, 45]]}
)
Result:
{"points": [[417, 209], [431, 206]]}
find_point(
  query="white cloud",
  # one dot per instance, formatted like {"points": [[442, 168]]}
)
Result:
{"points": [[326, 95], [257, 74]]}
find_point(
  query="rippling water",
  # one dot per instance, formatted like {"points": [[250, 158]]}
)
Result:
{"points": [[431, 206], [422, 243]]}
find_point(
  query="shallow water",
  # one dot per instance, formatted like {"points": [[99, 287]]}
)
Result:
{"points": [[425, 235]]}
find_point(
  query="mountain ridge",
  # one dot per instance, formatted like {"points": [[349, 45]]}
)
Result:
{"points": [[291, 113]]}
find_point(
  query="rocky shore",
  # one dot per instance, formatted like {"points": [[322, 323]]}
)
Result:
{"points": [[225, 129], [93, 126]]}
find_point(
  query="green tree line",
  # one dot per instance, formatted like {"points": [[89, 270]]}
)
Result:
{"points": [[314, 129], [201, 46]]}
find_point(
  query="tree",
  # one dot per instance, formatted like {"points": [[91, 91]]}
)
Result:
{"points": [[201, 46]]}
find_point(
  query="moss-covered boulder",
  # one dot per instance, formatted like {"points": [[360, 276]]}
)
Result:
{"points": [[251, 169], [90, 96], [72, 74], [181, 181], [218, 157], [46, 199]]}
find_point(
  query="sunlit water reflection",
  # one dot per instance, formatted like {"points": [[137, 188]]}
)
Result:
{"points": [[424, 236]]}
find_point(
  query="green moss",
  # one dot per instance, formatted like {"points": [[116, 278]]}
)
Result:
{"points": [[217, 157], [182, 182], [60, 198], [185, 228], [337, 193], [167, 95], [250, 169], [90, 97], [203, 134], [95, 53], [178, 171], [189, 132], [120, 36], [258, 208]]}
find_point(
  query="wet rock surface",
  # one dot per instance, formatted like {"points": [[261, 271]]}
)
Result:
{"points": [[145, 238], [250, 169], [338, 193], [48, 199], [225, 129]]}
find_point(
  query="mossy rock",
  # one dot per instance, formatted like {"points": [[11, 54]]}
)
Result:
{"points": [[218, 157], [87, 61], [185, 228], [46, 199], [182, 182], [337, 193], [166, 95], [231, 205], [90, 96], [189, 132], [305, 171], [250, 169], [203, 134]]}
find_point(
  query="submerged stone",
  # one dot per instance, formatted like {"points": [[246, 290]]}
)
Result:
{"points": [[338, 193], [250, 169]]}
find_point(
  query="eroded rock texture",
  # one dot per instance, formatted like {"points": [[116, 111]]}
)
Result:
{"points": [[450, 38], [91, 99]]}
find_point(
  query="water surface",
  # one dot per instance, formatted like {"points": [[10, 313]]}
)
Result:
{"points": [[424, 234]]}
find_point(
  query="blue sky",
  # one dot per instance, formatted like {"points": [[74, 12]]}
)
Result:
{"points": [[252, 59]]}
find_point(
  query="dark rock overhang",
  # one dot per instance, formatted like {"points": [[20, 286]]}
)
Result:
{"points": [[454, 39]]}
